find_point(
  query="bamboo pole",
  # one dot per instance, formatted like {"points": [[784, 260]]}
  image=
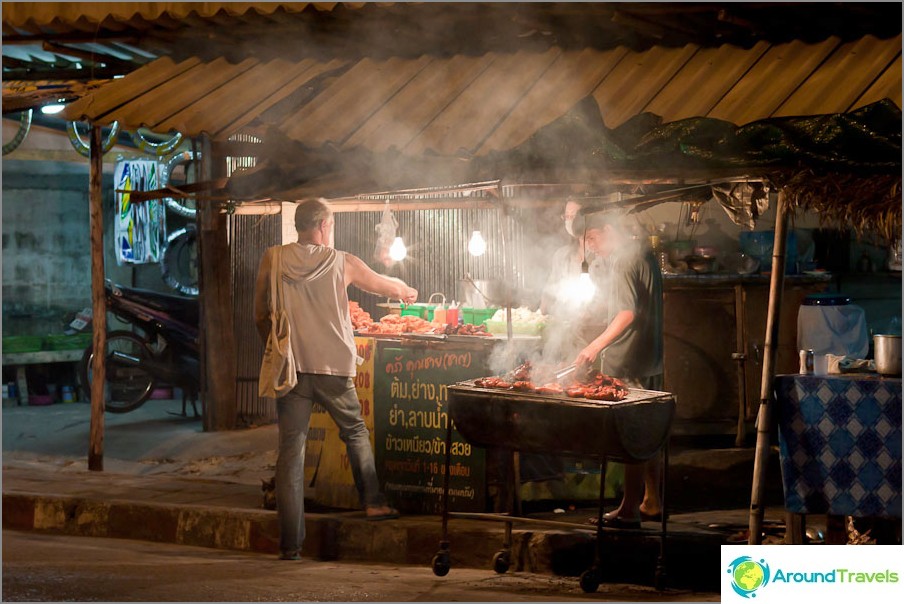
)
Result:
{"points": [[98, 301], [764, 416]]}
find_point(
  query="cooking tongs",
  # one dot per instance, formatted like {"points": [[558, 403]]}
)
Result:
{"points": [[565, 371]]}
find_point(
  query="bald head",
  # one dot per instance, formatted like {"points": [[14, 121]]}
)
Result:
{"points": [[310, 214]]}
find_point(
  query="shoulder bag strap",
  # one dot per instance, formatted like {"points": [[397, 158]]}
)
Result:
{"points": [[275, 289]]}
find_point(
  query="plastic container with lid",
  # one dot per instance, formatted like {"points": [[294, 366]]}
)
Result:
{"points": [[829, 323]]}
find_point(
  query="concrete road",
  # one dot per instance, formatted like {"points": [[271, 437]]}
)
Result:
{"points": [[39, 567]]}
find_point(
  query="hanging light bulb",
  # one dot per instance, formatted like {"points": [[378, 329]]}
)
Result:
{"points": [[586, 288], [477, 246], [398, 251]]}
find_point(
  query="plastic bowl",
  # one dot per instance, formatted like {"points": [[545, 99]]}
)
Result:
{"points": [[741, 263], [701, 264]]}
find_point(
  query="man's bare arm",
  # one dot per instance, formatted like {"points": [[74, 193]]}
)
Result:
{"points": [[360, 275]]}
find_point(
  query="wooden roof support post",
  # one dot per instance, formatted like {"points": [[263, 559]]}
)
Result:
{"points": [[218, 366], [767, 397], [98, 299]]}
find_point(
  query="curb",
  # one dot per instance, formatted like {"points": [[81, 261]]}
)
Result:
{"points": [[411, 541], [349, 536]]}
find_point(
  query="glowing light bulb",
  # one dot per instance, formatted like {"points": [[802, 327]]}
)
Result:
{"points": [[586, 288], [398, 251], [52, 109], [477, 246]]}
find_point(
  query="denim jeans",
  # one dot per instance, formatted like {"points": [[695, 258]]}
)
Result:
{"points": [[337, 395]]}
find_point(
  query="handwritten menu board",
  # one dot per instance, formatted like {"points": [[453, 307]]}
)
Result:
{"points": [[327, 472], [410, 424]]}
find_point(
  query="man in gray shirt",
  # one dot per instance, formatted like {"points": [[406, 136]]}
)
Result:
{"points": [[630, 345], [315, 278]]}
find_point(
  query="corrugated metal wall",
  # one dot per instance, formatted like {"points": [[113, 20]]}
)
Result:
{"points": [[437, 242], [251, 235]]}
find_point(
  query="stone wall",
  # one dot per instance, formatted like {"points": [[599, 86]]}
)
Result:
{"points": [[46, 251], [47, 248]]}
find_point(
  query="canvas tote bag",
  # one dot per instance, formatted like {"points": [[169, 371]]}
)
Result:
{"points": [[278, 370]]}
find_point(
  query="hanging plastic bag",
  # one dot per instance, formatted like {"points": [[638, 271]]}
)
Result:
{"points": [[386, 232]]}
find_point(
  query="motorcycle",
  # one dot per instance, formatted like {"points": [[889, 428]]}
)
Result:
{"points": [[163, 349]]}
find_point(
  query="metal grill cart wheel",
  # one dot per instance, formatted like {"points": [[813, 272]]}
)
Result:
{"points": [[502, 561], [632, 430], [441, 563], [590, 580]]}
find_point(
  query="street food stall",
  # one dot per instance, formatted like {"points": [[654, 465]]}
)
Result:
{"points": [[531, 118], [439, 218]]}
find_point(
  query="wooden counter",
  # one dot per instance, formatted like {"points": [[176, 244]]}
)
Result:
{"points": [[714, 331]]}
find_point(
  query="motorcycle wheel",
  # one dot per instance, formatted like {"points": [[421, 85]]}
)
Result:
{"points": [[127, 387]]}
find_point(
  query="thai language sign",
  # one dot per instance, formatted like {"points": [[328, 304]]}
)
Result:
{"points": [[411, 422]]}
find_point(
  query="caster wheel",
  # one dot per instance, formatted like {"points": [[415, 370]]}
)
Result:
{"points": [[441, 564], [659, 580], [501, 562], [590, 581]]}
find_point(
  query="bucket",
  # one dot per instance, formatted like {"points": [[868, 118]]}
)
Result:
{"points": [[422, 311], [887, 351], [68, 395]]}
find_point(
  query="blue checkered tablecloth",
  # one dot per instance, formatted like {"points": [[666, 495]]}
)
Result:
{"points": [[840, 444]]}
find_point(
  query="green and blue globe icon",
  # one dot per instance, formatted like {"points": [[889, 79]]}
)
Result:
{"points": [[748, 575]]}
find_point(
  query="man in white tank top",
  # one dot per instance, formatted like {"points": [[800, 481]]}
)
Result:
{"points": [[315, 277]]}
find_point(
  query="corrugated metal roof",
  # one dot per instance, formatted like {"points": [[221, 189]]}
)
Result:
{"points": [[85, 16], [103, 40], [475, 105]]}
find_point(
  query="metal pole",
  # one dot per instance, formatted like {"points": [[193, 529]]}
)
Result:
{"points": [[764, 416], [98, 301], [741, 358], [507, 287]]}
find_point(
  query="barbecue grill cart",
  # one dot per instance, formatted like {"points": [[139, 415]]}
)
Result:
{"points": [[632, 430]]}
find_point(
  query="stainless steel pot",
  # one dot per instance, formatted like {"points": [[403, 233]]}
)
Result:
{"points": [[887, 351], [481, 293]]}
